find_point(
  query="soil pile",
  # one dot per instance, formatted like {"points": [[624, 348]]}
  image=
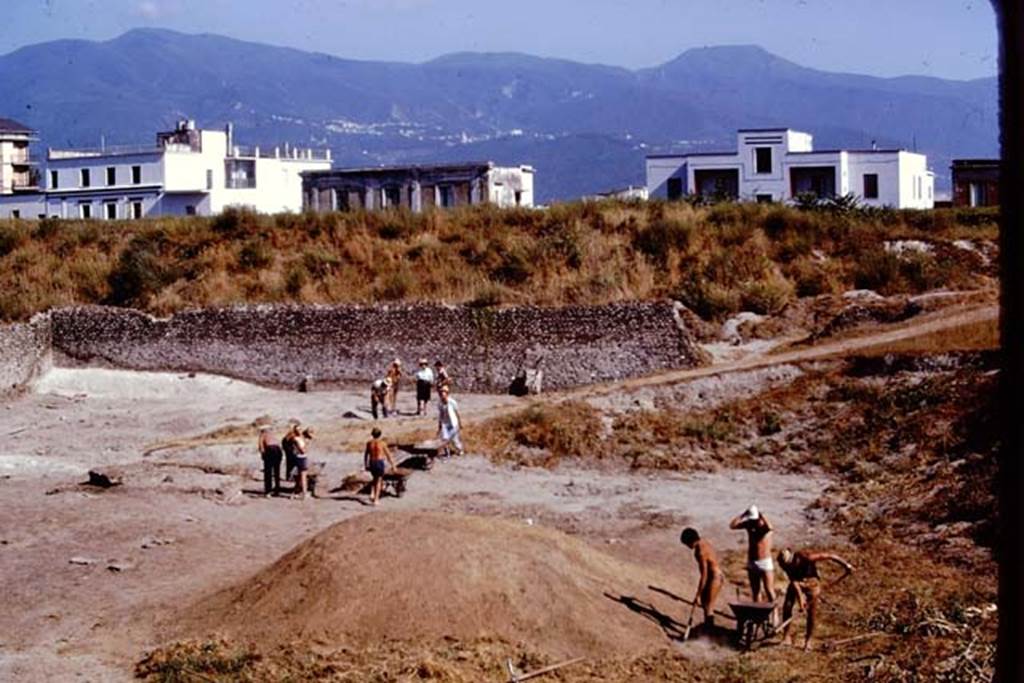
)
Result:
{"points": [[403, 576]]}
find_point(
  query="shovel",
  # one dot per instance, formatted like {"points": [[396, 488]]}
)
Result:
{"points": [[689, 622]]}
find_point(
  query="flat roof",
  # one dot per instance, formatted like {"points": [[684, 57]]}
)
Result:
{"points": [[765, 130], [976, 162], [456, 166], [854, 151]]}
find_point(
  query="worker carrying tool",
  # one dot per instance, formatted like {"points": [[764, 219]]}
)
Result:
{"points": [[711, 576], [805, 586]]}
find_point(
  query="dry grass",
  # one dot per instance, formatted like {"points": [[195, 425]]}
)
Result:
{"points": [[717, 259]]}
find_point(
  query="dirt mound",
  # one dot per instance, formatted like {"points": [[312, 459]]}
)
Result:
{"points": [[381, 577]]}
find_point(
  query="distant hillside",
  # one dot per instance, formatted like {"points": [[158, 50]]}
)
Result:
{"points": [[585, 127]]}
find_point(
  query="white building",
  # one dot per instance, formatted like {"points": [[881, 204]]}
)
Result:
{"points": [[419, 187], [19, 177], [187, 172], [777, 164]]}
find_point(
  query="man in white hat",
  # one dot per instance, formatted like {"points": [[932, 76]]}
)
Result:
{"points": [[424, 382], [760, 570]]}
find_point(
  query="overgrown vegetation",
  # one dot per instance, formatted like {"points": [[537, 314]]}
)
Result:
{"points": [[717, 259]]}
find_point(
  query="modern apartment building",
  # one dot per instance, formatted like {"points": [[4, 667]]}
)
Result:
{"points": [[188, 171], [779, 164], [18, 173]]}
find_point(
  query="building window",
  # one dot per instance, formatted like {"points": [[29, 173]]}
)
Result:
{"points": [[111, 175], [110, 210], [84, 177], [15, 213], [53, 180], [209, 179], [762, 160], [870, 186], [190, 210], [85, 210], [519, 198], [675, 188], [136, 175], [136, 209], [763, 198]]}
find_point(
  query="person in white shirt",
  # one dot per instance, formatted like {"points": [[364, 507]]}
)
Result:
{"points": [[448, 421], [424, 381]]}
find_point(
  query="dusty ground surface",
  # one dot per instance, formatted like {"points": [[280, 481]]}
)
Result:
{"points": [[96, 578], [179, 532]]}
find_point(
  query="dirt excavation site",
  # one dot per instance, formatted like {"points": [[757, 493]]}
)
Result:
{"points": [[555, 538]]}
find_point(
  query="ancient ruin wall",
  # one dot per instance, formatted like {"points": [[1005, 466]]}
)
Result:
{"points": [[25, 352], [484, 348]]}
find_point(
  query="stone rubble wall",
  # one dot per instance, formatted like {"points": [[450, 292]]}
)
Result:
{"points": [[25, 353], [483, 348]]}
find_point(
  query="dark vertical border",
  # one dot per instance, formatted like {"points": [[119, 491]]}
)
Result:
{"points": [[1011, 490]]}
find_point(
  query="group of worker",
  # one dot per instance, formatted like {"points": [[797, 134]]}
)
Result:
{"points": [[377, 458], [800, 567], [384, 391], [292, 450]]}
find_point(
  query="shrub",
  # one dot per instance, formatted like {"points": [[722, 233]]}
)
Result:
{"points": [[10, 239], [319, 263], [395, 285], [514, 267], [236, 222], [767, 296], [140, 272], [877, 269], [662, 236], [255, 255]]}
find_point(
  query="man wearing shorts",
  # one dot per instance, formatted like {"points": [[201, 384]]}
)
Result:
{"points": [[711, 576], [424, 381], [760, 570], [805, 587], [376, 458]]}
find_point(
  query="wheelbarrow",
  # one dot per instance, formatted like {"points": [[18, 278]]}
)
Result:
{"points": [[755, 622]]}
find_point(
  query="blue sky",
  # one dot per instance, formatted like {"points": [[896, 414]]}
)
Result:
{"points": [[945, 38]]}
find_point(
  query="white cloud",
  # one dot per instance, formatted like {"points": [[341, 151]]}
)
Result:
{"points": [[148, 9]]}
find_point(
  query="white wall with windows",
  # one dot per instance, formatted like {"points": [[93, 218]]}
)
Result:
{"points": [[781, 164], [201, 172]]}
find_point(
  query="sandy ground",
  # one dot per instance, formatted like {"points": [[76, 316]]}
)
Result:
{"points": [[90, 574]]}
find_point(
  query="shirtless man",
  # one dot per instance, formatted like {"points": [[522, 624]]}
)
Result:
{"points": [[270, 454], [760, 570], [374, 457], [805, 586], [711, 576]]}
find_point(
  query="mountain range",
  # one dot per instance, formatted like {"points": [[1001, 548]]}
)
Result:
{"points": [[584, 127]]}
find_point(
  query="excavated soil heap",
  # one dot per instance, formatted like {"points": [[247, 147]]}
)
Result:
{"points": [[416, 576]]}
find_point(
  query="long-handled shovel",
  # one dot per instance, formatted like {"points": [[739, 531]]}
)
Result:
{"points": [[689, 622]]}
